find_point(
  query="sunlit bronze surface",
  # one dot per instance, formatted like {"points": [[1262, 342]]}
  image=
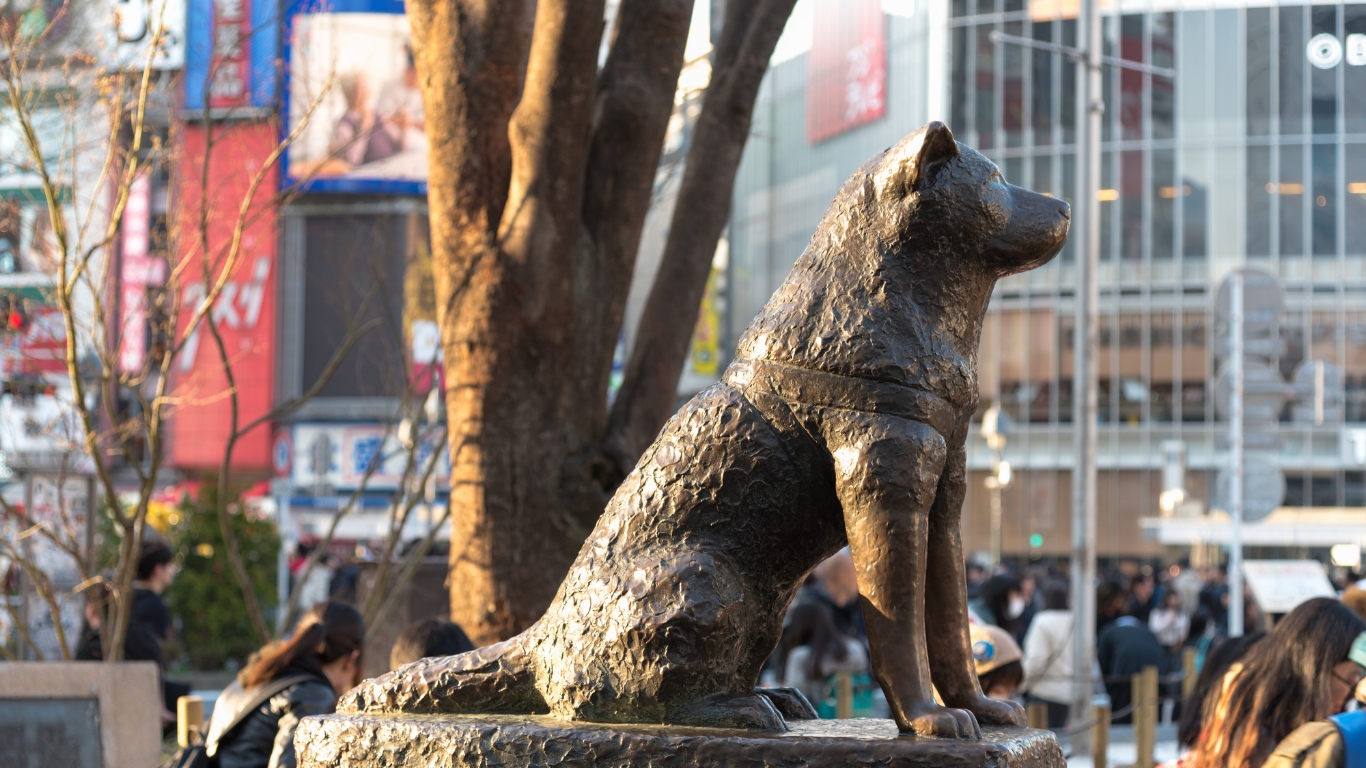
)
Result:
{"points": [[841, 421]]}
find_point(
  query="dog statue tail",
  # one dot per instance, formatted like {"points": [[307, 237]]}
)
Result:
{"points": [[497, 679]]}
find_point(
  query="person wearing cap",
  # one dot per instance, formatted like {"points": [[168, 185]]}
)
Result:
{"points": [[996, 656], [1339, 741]]}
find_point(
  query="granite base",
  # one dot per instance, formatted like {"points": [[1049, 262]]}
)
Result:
{"points": [[337, 741]]}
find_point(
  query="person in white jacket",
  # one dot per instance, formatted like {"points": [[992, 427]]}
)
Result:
{"points": [[1169, 623], [1047, 658]]}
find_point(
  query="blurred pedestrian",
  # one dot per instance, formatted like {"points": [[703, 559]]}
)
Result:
{"points": [[255, 718], [1302, 673], [427, 638], [1143, 597], [149, 622], [1187, 583], [1125, 648], [1354, 597], [996, 658], [98, 598], [1169, 623], [1047, 661], [1001, 603], [1112, 599], [1214, 598], [823, 632], [1197, 707], [1337, 742]]}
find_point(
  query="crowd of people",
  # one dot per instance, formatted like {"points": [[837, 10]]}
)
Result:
{"points": [[1265, 698], [1273, 698]]}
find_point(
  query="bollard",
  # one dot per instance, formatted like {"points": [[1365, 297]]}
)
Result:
{"points": [[189, 720], [1100, 735], [1188, 669], [844, 696], [1037, 712], [1144, 698]]}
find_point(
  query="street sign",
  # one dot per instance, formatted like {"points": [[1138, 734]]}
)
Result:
{"points": [[1318, 393], [1263, 489], [1281, 585], [1264, 394], [1262, 303]]}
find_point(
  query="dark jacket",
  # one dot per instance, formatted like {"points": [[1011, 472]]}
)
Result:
{"points": [[1124, 648], [265, 739], [148, 626]]}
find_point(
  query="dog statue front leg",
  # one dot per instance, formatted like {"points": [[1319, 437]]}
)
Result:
{"points": [[946, 602], [887, 470]]}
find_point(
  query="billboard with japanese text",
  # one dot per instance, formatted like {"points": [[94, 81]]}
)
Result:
{"points": [[846, 70]]}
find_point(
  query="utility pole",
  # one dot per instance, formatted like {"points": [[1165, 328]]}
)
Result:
{"points": [[1086, 234], [1084, 374], [1235, 549]]}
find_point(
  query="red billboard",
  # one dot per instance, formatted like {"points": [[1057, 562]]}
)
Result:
{"points": [[244, 312], [846, 70]]}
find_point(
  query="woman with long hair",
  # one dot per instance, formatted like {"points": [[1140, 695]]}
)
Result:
{"points": [[1299, 675], [255, 718]]}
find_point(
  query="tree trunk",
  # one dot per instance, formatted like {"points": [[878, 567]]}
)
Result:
{"points": [[538, 188], [646, 398]]}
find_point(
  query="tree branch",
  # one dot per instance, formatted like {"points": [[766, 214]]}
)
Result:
{"points": [[647, 393]]}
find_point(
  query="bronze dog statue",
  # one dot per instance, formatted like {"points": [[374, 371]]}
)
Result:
{"points": [[841, 421]]}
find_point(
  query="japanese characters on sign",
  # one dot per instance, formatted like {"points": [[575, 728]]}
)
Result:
{"points": [[846, 70]]}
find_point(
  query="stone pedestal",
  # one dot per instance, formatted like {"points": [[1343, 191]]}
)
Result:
{"points": [[336, 741]]}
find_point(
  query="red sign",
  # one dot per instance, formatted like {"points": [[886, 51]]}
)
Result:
{"points": [[38, 348], [244, 312], [846, 70], [230, 65], [138, 269]]}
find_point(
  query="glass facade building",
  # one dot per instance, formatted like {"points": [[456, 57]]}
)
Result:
{"points": [[1254, 154]]}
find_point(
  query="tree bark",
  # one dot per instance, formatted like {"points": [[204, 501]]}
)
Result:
{"points": [[541, 172], [646, 398]]}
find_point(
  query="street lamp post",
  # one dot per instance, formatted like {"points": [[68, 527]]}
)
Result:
{"points": [[999, 477], [1084, 376]]}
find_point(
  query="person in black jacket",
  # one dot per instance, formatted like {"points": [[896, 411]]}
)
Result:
{"points": [[298, 677], [1124, 648]]}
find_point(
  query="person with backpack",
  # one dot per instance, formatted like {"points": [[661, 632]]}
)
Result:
{"points": [[1340, 740], [1300, 674], [255, 718]]}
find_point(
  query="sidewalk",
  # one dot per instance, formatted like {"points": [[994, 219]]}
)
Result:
{"points": [[1122, 751]]}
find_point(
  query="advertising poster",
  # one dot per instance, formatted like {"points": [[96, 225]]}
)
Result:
{"points": [[846, 70], [244, 312], [367, 129]]}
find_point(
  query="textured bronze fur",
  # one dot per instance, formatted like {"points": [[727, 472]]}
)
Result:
{"points": [[841, 421]]}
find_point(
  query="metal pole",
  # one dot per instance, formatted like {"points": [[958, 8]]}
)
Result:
{"points": [[1087, 220], [282, 559], [1235, 549], [995, 489]]}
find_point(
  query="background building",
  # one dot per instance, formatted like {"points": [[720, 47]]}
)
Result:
{"points": [[1255, 153]]}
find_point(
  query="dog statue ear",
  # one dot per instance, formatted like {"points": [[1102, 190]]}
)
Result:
{"points": [[907, 168]]}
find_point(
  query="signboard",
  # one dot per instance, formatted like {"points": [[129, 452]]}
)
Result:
{"points": [[137, 22], [137, 270], [846, 70], [1280, 585], [230, 53], [244, 312], [428, 360], [346, 450], [367, 133]]}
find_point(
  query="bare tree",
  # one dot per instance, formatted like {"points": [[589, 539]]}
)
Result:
{"points": [[541, 169]]}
